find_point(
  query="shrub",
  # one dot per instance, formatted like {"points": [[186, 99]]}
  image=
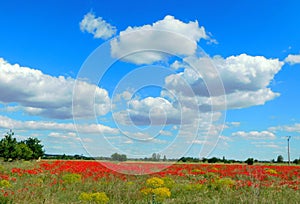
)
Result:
{"points": [[11, 149], [250, 161]]}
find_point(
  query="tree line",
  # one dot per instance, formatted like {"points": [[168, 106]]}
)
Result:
{"points": [[11, 149], [31, 148], [249, 161]]}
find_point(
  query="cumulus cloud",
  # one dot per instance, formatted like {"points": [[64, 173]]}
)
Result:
{"points": [[244, 99], [255, 135], [247, 73], [152, 43], [97, 26], [292, 59], [245, 80], [238, 73], [44, 95], [149, 111], [8, 123]]}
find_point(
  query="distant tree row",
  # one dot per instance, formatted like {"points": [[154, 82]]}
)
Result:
{"points": [[67, 157], [11, 149], [249, 161], [157, 157], [118, 157]]}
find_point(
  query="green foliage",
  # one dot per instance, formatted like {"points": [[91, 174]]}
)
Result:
{"points": [[280, 159], [71, 178], [188, 159], [250, 161], [296, 161], [11, 150], [35, 146], [118, 157], [8, 147], [5, 184], [5, 200], [24, 152], [155, 157], [224, 183], [213, 160], [98, 197]]}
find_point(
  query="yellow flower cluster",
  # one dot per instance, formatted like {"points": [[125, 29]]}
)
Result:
{"points": [[154, 182], [161, 193], [271, 171], [5, 184], [71, 178], [98, 197], [155, 187], [224, 183]]}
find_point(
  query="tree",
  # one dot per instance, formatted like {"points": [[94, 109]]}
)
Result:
{"points": [[35, 146], [250, 161], [296, 161], [165, 158], [153, 158], [118, 157], [280, 159], [213, 160], [8, 147], [23, 151], [157, 157]]}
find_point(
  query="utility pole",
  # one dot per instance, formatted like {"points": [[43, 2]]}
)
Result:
{"points": [[288, 140]]}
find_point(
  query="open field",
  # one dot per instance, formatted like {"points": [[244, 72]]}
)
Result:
{"points": [[90, 182]]}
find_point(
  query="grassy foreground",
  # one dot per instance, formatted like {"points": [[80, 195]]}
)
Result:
{"points": [[91, 182]]}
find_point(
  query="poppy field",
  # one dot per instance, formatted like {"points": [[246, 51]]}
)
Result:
{"points": [[63, 181]]}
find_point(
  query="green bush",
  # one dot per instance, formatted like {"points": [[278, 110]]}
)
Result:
{"points": [[28, 149]]}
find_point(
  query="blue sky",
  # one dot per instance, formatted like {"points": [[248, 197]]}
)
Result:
{"points": [[193, 78]]}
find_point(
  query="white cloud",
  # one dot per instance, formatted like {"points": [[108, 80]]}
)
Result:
{"points": [[165, 133], [247, 73], [292, 59], [44, 95], [126, 95], [238, 73], [97, 26], [233, 124], [243, 99], [8, 123], [152, 43], [263, 144], [149, 111], [162, 111], [244, 81], [289, 128], [255, 135]]}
